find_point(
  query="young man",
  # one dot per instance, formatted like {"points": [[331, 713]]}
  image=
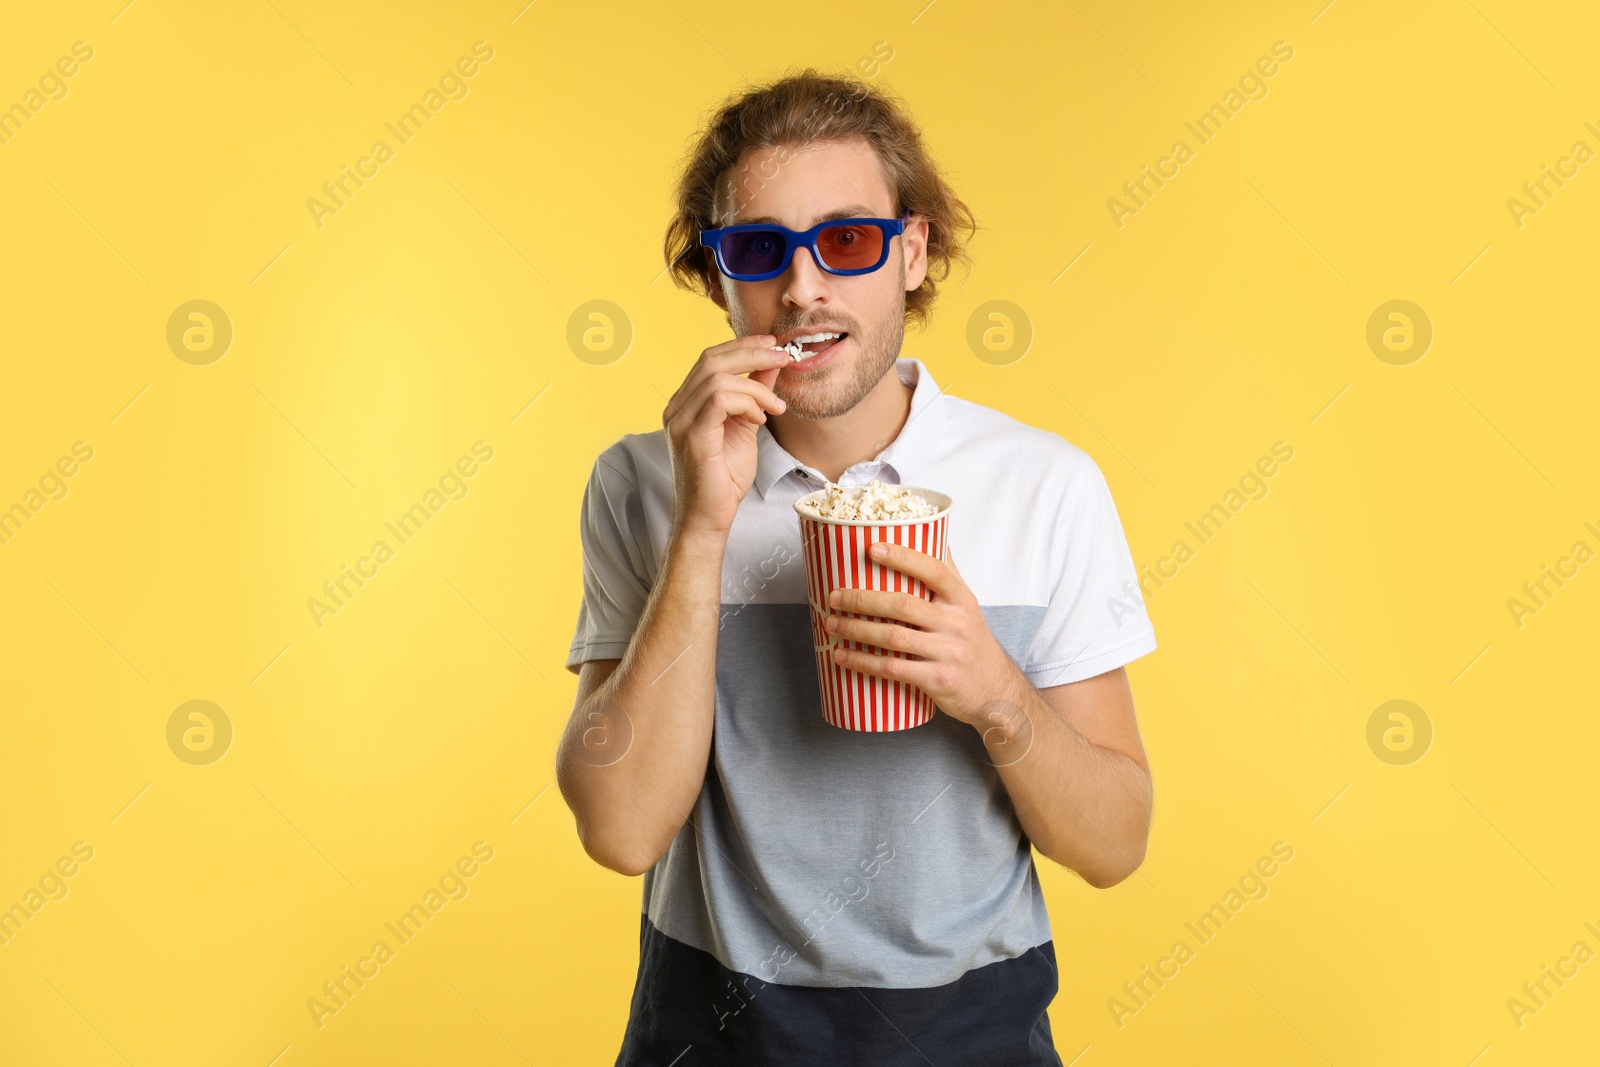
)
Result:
{"points": [[814, 895]]}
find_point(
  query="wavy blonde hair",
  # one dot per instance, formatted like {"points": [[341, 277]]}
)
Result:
{"points": [[792, 112]]}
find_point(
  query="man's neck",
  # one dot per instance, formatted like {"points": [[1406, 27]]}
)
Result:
{"points": [[833, 446]]}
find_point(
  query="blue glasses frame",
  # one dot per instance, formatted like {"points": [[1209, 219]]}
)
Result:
{"points": [[807, 239]]}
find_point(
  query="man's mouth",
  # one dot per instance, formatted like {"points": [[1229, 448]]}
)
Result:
{"points": [[805, 346]]}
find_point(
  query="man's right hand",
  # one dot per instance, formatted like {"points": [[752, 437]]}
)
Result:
{"points": [[630, 800], [711, 426]]}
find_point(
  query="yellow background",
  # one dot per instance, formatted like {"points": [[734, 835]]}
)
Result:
{"points": [[368, 354]]}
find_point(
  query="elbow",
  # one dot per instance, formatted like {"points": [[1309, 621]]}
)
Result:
{"points": [[610, 838], [1105, 879], [623, 865], [604, 845], [630, 866], [1123, 852], [1117, 868], [615, 855]]}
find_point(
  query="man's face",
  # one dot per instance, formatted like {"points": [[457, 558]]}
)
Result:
{"points": [[797, 188]]}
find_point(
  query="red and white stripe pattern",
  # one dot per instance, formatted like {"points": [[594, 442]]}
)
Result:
{"points": [[836, 557]]}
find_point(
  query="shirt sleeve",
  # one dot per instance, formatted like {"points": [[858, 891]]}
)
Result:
{"points": [[1096, 620], [615, 589]]}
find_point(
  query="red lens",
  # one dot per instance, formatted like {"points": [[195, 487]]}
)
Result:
{"points": [[850, 246]]}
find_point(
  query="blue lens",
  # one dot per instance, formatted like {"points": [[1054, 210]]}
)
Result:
{"points": [[753, 251]]}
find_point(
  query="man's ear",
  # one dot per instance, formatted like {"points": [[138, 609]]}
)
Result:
{"points": [[915, 240]]}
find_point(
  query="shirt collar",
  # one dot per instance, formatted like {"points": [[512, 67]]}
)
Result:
{"points": [[910, 454]]}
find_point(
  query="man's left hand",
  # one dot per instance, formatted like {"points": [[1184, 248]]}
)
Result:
{"points": [[957, 660]]}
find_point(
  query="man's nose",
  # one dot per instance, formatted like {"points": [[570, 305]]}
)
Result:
{"points": [[806, 283]]}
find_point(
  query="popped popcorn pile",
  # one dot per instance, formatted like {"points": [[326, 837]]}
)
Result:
{"points": [[873, 502]]}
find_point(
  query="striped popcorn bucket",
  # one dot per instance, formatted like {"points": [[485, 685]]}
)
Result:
{"points": [[836, 557]]}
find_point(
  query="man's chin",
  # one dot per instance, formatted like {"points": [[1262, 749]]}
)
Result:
{"points": [[837, 384], [804, 404]]}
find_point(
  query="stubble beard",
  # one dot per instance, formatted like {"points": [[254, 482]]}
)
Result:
{"points": [[839, 389]]}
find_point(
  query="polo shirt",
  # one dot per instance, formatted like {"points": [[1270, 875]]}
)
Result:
{"points": [[839, 896]]}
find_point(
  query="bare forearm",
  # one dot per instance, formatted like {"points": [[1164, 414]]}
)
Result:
{"points": [[634, 756], [1082, 805]]}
